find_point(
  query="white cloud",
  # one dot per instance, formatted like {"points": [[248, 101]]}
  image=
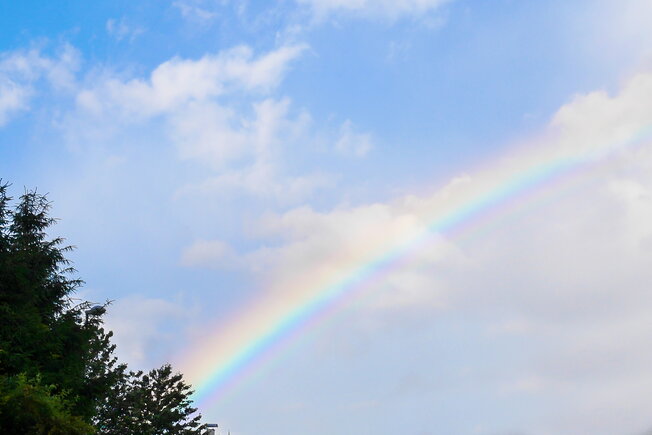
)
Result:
{"points": [[622, 26], [217, 112], [218, 137], [204, 253], [21, 70], [352, 143], [180, 81], [567, 266], [211, 133], [193, 10], [218, 134], [120, 30], [391, 9], [261, 180], [143, 328], [13, 98]]}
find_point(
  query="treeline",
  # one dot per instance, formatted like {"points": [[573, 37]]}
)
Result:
{"points": [[58, 371]]}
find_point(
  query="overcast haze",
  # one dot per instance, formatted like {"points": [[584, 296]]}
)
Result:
{"points": [[218, 162]]}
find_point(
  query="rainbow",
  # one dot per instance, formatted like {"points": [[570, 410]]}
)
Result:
{"points": [[239, 347]]}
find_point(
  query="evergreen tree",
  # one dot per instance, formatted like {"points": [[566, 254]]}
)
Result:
{"points": [[58, 372], [155, 403], [43, 335], [28, 407]]}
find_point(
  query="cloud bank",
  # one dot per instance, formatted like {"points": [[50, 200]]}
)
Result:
{"points": [[565, 267]]}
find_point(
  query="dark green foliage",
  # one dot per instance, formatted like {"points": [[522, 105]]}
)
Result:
{"points": [[41, 332], [150, 404], [28, 407], [58, 373]]}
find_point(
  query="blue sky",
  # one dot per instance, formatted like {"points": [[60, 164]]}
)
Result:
{"points": [[205, 155]]}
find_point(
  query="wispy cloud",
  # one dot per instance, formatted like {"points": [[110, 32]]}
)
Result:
{"points": [[241, 140], [143, 327], [353, 143], [21, 70], [121, 30], [383, 9], [195, 11], [211, 254]]}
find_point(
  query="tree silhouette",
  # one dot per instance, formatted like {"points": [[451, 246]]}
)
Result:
{"points": [[58, 372], [157, 402]]}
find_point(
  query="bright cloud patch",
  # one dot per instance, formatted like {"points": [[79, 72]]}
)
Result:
{"points": [[240, 141], [180, 81]]}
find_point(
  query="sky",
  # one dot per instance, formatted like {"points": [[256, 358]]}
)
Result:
{"points": [[354, 216]]}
